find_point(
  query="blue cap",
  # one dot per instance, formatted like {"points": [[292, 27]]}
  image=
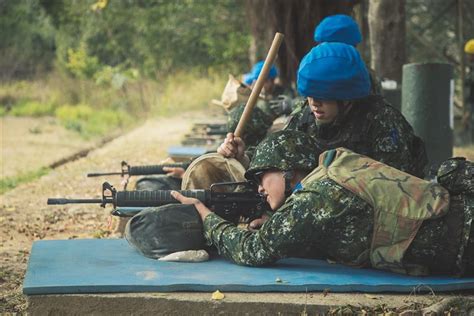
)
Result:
{"points": [[257, 68], [333, 71], [338, 28], [248, 79]]}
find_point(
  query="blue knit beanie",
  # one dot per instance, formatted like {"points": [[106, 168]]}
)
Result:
{"points": [[333, 71], [338, 28], [255, 72]]}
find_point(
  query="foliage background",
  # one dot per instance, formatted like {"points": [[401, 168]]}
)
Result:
{"points": [[101, 64], [97, 65]]}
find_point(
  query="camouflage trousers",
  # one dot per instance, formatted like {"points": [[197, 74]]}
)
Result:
{"points": [[445, 245]]}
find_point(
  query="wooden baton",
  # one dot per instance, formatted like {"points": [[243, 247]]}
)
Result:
{"points": [[269, 60]]}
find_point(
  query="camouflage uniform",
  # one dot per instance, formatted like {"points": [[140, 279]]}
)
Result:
{"points": [[371, 128], [255, 129], [325, 220]]}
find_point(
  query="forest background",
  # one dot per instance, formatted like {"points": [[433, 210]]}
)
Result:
{"points": [[95, 66]]}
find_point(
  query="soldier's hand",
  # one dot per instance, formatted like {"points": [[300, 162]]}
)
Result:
{"points": [[258, 222], [234, 147], [228, 149], [200, 207], [175, 172], [282, 105]]}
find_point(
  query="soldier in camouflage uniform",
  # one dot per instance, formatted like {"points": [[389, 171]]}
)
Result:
{"points": [[340, 112], [319, 217], [256, 128], [273, 105]]}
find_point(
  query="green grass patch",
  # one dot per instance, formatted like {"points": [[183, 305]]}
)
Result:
{"points": [[32, 108], [188, 91], [94, 109], [9, 183], [89, 122]]}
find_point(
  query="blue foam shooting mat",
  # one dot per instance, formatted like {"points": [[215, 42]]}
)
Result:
{"points": [[111, 266], [185, 151]]}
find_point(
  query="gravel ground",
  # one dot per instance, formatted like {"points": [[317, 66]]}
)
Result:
{"points": [[24, 215]]}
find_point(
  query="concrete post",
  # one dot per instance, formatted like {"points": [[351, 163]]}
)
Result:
{"points": [[427, 104]]}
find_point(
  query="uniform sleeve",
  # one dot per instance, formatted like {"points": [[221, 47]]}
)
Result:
{"points": [[395, 143], [296, 117], [281, 235]]}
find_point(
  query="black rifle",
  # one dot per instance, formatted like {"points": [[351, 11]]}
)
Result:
{"points": [[128, 170], [230, 200], [141, 170]]}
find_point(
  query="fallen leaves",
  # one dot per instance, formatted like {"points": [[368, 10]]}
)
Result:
{"points": [[217, 295]]}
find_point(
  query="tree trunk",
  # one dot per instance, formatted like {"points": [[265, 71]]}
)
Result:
{"points": [[296, 19], [387, 38]]}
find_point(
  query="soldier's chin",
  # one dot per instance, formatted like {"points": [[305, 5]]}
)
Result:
{"points": [[322, 121]]}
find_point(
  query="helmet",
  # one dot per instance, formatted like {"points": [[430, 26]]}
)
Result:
{"points": [[255, 129], [255, 72], [333, 71], [338, 28], [284, 150], [469, 47]]}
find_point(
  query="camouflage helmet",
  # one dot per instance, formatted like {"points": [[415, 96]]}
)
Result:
{"points": [[255, 129], [284, 150]]}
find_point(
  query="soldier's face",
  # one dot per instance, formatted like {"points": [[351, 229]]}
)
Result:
{"points": [[323, 111], [272, 185]]}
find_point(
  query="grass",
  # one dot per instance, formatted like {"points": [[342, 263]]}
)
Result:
{"points": [[9, 183], [94, 108], [187, 92]]}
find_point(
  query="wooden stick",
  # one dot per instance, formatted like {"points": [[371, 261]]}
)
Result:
{"points": [[269, 60]]}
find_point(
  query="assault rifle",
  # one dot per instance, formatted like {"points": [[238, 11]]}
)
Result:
{"points": [[127, 170], [230, 200]]}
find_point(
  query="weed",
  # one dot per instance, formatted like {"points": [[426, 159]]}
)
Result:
{"points": [[32, 108], [9, 183]]}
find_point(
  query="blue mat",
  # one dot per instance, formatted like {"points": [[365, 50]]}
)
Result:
{"points": [[188, 151], [111, 265]]}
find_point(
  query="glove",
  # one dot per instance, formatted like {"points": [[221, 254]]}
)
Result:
{"points": [[283, 105]]}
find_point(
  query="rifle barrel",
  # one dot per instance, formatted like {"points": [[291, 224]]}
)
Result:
{"points": [[62, 201], [99, 174]]}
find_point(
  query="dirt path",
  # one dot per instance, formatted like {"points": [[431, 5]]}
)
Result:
{"points": [[25, 217], [31, 143]]}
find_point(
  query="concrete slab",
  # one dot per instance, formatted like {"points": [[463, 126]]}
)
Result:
{"points": [[186, 303]]}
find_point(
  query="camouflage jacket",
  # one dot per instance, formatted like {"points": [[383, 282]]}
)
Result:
{"points": [[372, 128], [325, 220], [256, 128]]}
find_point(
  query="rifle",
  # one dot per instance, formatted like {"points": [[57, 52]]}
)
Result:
{"points": [[211, 130], [229, 200], [128, 170]]}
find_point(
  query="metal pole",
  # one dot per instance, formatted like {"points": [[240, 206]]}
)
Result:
{"points": [[427, 103], [461, 51]]}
